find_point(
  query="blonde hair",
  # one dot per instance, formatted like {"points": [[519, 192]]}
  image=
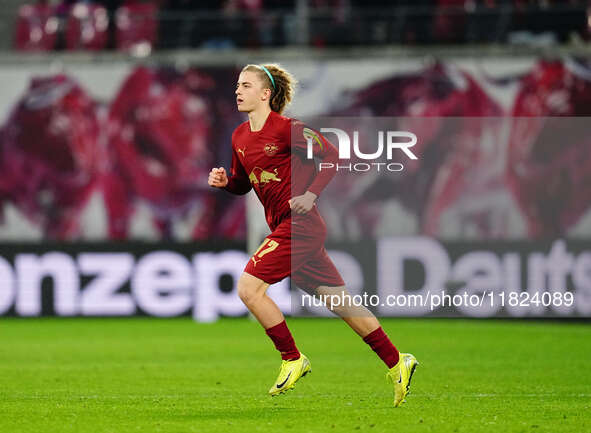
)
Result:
{"points": [[285, 83]]}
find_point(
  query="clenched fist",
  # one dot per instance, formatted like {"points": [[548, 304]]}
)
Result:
{"points": [[302, 204], [218, 177]]}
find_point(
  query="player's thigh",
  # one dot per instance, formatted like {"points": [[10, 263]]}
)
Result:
{"points": [[271, 262]]}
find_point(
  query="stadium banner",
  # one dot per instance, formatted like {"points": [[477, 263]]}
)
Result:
{"points": [[420, 276], [121, 279], [392, 276], [121, 151]]}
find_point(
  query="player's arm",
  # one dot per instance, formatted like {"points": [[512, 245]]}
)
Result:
{"points": [[326, 153], [236, 183]]}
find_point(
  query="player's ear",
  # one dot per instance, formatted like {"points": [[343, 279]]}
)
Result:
{"points": [[266, 94]]}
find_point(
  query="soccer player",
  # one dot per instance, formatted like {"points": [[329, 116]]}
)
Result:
{"points": [[264, 158]]}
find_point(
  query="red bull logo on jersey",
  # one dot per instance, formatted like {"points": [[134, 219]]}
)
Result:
{"points": [[261, 177]]}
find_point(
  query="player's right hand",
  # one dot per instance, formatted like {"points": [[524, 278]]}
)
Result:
{"points": [[218, 177]]}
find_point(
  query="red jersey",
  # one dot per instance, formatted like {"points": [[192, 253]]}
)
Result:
{"points": [[266, 160]]}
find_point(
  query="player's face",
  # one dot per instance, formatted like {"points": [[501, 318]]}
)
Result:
{"points": [[250, 93]]}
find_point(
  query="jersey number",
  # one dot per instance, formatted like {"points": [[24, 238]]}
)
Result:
{"points": [[270, 244]]}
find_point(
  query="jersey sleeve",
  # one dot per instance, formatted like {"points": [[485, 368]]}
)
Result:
{"points": [[238, 182], [322, 150]]}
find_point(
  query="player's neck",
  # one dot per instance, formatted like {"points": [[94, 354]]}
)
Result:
{"points": [[257, 118]]}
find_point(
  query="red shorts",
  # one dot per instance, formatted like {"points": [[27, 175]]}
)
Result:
{"points": [[296, 249]]}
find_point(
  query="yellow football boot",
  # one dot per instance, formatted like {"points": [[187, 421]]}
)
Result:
{"points": [[400, 376], [289, 374]]}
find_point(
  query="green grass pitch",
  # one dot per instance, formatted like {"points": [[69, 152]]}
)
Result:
{"points": [[150, 375]]}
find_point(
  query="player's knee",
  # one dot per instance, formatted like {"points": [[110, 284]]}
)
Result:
{"points": [[339, 310], [248, 292], [248, 295]]}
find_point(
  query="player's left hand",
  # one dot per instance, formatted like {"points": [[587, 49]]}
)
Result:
{"points": [[303, 203]]}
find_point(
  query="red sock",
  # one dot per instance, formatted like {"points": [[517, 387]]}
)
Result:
{"points": [[283, 341], [381, 344]]}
